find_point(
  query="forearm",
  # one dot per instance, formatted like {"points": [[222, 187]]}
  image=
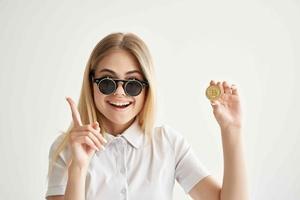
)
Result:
{"points": [[235, 178], [76, 183]]}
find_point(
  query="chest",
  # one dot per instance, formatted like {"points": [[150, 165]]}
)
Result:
{"points": [[124, 172]]}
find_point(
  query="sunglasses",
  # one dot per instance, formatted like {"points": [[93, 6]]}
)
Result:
{"points": [[132, 87]]}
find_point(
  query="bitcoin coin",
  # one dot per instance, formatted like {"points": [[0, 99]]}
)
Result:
{"points": [[213, 92]]}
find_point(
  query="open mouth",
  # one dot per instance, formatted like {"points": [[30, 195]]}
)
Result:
{"points": [[120, 106]]}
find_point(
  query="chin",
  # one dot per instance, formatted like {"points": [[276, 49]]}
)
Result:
{"points": [[120, 120]]}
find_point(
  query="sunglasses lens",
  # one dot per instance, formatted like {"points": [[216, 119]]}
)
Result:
{"points": [[107, 86], [133, 88]]}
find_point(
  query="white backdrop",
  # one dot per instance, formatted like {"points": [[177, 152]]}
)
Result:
{"points": [[44, 46]]}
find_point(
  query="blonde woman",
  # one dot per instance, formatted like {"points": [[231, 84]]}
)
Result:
{"points": [[112, 149]]}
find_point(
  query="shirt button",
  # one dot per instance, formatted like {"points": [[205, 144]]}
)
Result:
{"points": [[122, 170], [123, 191]]}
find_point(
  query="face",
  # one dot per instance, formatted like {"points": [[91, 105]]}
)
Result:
{"points": [[118, 64]]}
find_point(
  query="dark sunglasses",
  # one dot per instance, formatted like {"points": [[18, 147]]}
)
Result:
{"points": [[132, 87]]}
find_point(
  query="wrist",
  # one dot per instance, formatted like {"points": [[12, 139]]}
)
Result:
{"points": [[231, 135], [231, 129], [74, 167]]}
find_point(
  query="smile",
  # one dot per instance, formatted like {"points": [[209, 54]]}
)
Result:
{"points": [[119, 105]]}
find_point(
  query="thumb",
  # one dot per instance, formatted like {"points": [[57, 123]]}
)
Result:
{"points": [[96, 126], [215, 104]]}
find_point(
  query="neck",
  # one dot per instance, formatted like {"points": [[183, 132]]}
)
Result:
{"points": [[116, 129]]}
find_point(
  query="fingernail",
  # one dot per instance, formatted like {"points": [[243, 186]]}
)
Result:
{"points": [[102, 147], [104, 140]]}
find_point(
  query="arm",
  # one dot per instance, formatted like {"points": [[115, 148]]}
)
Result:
{"points": [[234, 179], [56, 197], [228, 114], [75, 189], [234, 185], [76, 183], [84, 140]]}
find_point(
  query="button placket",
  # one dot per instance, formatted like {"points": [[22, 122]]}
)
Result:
{"points": [[123, 191], [123, 157], [122, 169]]}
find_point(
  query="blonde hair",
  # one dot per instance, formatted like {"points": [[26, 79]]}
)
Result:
{"points": [[86, 106]]}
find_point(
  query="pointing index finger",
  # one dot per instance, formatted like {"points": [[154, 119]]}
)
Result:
{"points": [[75, 113]]}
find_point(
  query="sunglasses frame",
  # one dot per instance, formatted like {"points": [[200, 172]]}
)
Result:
{"points": [[116, 81]]}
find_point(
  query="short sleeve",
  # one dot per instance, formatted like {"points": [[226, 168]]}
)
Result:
{"points": [[57, 179], [188, 169]]}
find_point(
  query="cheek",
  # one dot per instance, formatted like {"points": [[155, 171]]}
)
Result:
{"points": [[98, 98], [140, 100]]}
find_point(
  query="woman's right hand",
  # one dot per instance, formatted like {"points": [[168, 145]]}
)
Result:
{"points": [[84, 139]]}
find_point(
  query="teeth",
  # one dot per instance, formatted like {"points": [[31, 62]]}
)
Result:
{"points": [[120, 103]]}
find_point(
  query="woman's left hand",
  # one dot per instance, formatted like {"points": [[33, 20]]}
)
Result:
{"points": [[227, 108]]}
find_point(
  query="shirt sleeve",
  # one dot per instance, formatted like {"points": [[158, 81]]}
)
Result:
{"points": [[188, 169], [57, 178]]}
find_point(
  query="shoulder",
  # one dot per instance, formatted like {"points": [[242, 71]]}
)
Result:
{"points": [[165, 132], [56, 144]]}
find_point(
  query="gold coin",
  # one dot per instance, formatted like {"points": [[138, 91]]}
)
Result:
{"points": [[213, 92]]}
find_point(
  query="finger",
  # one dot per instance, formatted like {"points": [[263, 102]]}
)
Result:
{"points": [[82, 140], [93, 129], [75, 113], [221, 87], [212, 82], [86, 140], [98, 134], [215, 104], [96, 131], [97, 127], [227, 89], [91, 135], [234, 90]]}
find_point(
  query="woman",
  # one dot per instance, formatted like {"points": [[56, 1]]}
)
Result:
{"points": [[112, 149]]}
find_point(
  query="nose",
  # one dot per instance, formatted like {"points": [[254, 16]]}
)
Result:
{"points": [[120, 89]]}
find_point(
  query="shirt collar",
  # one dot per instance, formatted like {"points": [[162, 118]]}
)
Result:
{"points": [[133, 134]]}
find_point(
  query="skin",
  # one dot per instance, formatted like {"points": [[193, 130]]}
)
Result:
{"points": [[86, 139], [120, 62], [228, 113]]}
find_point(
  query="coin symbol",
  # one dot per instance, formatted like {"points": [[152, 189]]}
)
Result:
{"points": [[213, 92]]}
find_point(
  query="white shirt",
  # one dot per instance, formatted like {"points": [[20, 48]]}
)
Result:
{"points": [[130, 168]]}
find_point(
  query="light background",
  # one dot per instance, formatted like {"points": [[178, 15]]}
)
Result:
{"points": [[44, 46]]}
